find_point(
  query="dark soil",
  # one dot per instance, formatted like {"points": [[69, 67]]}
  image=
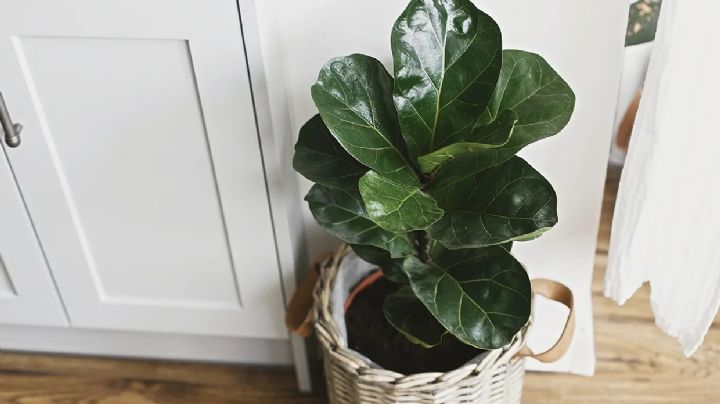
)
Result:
{"points": [[370, 334]]}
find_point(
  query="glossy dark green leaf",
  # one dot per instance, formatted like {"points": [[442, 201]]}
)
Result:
{"points": [[457, 175], [320, 158], [531, 88], [482, 295], [542, 100], [354, 97], [395, 207], [497, 133], [447, 56], [391, 267], [341, 213], [491, 136], [408, 315], [508, 202]]}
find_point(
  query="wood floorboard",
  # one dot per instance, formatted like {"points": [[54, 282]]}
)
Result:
{"points": [[636, 363]]}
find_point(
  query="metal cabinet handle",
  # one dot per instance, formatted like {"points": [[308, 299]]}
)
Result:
{"points": [[12, 130]]}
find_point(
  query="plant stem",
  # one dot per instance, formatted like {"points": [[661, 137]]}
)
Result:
{"points": [[422, 246], [426, 180]]}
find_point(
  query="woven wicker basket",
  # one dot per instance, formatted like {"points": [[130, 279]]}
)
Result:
{"points": [[492, 378], [495, 377]]}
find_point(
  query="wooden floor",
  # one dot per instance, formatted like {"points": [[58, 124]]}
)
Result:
{"points": [[636, 364]]}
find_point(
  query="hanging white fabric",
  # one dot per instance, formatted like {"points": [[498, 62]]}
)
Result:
{"points": [[667, 218]]}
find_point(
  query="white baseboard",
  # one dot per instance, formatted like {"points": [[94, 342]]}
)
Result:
{"points": [[275, 352]]}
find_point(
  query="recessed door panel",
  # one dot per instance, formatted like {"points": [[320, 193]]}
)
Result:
{"points": [[141, 164], [132, 148]]}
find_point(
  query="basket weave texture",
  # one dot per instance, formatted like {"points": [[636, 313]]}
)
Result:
{"points": [[493, 378]]}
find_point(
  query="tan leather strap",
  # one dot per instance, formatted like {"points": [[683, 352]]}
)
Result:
{"points": [[624, 131], [298, 316], [560, 293], [362, 285]]}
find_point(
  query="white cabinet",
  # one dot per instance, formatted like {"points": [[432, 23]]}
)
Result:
{"points": [[27, 293], [140, 165]]}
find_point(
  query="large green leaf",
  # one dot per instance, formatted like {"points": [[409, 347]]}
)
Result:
{"points": [[396, 207], [531, 88], [508, 202], [482, 296], [354, 97], [320, 158], [341, 213], [491, 136], [408, 315], [447, 56], [457, 175], [391, 267], [543, 102]]}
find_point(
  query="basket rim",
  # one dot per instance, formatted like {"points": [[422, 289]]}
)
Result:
{"points": [[335, 346]]}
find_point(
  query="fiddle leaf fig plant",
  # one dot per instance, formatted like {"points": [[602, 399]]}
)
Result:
{"points": [[419, 174]]}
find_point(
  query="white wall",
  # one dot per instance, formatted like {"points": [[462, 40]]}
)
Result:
{"points": [[583, 41]]}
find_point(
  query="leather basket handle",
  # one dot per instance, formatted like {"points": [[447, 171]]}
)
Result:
{"points": [[298, 317], [560, 293]]}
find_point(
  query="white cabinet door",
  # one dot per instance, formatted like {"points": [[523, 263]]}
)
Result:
{"points": [[27, 293], [140, 163]]}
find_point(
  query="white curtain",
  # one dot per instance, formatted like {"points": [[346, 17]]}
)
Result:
{"points": [[667, 218]]}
